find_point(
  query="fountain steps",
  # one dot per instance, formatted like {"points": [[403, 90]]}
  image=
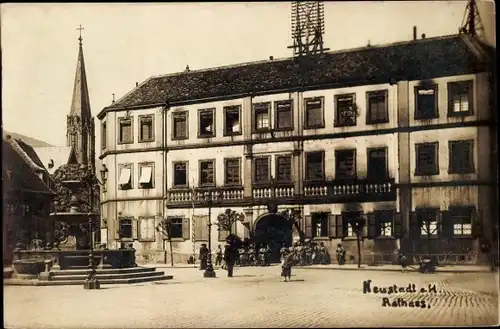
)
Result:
{"points": [[104, 271], [106, 276]]}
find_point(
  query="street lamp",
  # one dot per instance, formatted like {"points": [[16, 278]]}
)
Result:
{"points": [[88, 178], [209, 270]]}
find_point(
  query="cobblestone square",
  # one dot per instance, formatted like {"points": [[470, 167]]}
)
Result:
{"points": [[256, 297]]}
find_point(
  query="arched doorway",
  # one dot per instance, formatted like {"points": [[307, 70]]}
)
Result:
{"points": [[273, 230]]}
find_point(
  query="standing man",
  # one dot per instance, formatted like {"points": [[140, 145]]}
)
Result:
{"points": [[203, 256], [218, 256], [230, 255]]}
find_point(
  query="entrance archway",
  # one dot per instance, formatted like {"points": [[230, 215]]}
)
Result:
{"points": [[273, 230]]}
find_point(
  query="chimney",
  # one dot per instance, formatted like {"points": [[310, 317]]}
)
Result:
{"points": [[423, 35], [113, 101], [187, 68], [137, 84], [414, 33], [271, 58]]}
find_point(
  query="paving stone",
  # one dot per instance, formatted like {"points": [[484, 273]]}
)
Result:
{"points": [[256, 297]]}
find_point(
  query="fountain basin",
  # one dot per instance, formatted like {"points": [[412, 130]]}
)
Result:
{"points": [[28, 268]]}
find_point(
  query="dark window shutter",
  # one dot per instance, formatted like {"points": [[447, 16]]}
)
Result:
{"points": [[135, 224], [332, 226], [341, 226], [445, 225], [185, 228], [372, 225], [476, 223], [398, 223], [308, 223], [414, 225], [204, 227]]}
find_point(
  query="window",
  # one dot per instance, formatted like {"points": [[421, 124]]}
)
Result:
{"points": [[320, 224], [284, 113], [146, 171], [460, 98], [261, 116], [103, 135], [261, 170], [347, 219], [126, 228], [176, 227], [147, 229], [377, 107], [426, 102], [232, 120], [146, 128], [180, 125], [207, 173], [461, 157], [315, 166], [314, 113], [180, 174], [232, 172], [125, 178], [461, 219], [427, 218], [206, 123], [346, 110], [427, 159], [377, 164], [125, 133], [284, 168], [345, 164], [384, 220]]}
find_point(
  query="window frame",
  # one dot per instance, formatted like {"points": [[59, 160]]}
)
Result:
{"points": [[152, 131], [226, 183], [306, 155], [255, 129], [369, 120], [337, 122], [368, 161], [379, 213], [181, 224], [104, 135], [276, 115], [212, 111], [174, 185], [452, 87], [419, 211], [276, 164], [131, 219], [267, 158], [355, 166], [418, 170], [470, 210], [146, 164], [140, 238], [306, 116], [226, 109], [314, 226], [122, 120], [452, 170], [177, 114], [129, 186], [417, 114], [200, 176]]}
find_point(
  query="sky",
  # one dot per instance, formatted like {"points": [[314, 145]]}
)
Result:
{"points": [[127, 43]]}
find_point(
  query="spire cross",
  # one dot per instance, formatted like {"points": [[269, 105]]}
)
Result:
{"points": [[80, 30]]}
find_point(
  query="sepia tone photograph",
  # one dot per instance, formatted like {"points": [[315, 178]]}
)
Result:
{"points": [[249, 164]]}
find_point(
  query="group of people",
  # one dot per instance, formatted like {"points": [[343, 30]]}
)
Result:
{"points": [[308, 253], [226, 258]]}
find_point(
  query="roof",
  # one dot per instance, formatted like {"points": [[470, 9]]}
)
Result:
{"points": [[17, 174], [80, 104], [54, 157], [33, 142], [411, 60]]}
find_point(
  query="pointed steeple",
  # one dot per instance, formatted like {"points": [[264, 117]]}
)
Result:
{"points": [[80, 124]]}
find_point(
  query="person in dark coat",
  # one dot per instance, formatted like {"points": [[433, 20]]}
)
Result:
{"points": [[218, 256], [340, 254], [230, 256], [203, 256], [289, 259]]}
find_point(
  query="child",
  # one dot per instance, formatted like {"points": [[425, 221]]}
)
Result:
{"points": [[287, 263], [402, 258]]}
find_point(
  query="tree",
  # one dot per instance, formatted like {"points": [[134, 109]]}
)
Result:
{"points": [[165, 228], [293, 217], [357, 223], [226, 220]]}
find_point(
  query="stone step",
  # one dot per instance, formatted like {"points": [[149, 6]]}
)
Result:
{"points": [[85, 271], [104, 276], [17, 282]]}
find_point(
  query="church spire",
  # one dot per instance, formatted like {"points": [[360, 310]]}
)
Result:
{"points": [[80, 124]]}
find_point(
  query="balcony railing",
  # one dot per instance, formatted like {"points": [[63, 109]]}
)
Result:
{"points": [[317, 192]]}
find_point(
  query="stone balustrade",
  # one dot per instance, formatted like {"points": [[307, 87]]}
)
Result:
{"points": [[203, 195], [280, 192]]}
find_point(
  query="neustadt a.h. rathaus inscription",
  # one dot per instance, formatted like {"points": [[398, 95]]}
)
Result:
{"points": [[410, 289]]}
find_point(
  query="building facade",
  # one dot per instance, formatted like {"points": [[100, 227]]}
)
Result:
{"points": [[399, 135]]}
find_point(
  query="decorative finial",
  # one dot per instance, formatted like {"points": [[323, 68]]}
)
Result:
{"points": [[80, 39]]}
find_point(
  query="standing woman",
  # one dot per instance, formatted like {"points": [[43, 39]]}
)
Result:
{"points": [[287, 263]]}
